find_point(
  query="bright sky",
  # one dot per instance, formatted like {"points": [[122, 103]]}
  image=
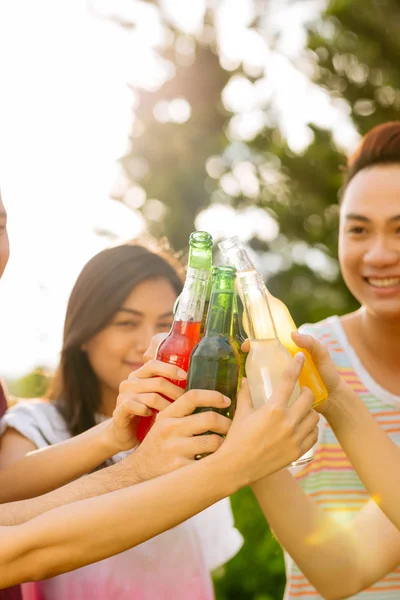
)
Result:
{"points": [[65, 115]]}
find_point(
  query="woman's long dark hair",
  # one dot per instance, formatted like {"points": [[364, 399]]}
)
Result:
{"points": [[100, 290]]}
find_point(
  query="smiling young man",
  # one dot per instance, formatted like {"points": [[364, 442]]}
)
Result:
{"points": [[365, 345]]}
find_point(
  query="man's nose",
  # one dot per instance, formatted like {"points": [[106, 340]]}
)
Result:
{"points": [[382, 253]]}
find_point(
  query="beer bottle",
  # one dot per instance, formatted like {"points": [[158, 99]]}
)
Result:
{"points": [[214, 364]]}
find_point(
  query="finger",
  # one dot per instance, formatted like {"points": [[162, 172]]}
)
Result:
{"points": [[155, 341], [318, 352], [189, 401], [288, 381], [157, 385], [309, 441], [155, 368], [244, 403], [246, 346], [202, 444], [127, 410], [308, 424], [151, 400], [303, 405], [200, 423]]}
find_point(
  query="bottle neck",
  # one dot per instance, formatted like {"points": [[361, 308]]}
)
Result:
{"points": [[201, 258], [259, 319], [193, 296], [219, 318], [237, 257]]}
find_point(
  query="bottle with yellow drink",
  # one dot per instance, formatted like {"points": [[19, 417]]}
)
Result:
{"points": [[282, 320]]}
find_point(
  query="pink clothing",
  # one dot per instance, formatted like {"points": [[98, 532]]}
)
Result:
{"points": [[181, 573]]}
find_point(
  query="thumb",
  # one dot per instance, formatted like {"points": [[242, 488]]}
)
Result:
{"points": [[244, 404], [318, 352]]}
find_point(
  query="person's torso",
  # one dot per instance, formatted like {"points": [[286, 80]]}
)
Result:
{"points": [[330, 478]]}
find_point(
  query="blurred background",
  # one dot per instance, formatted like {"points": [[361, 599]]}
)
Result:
{"points": [[234, 116]]}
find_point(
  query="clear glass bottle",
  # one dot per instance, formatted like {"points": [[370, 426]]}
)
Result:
{"points": [[282, 320]]}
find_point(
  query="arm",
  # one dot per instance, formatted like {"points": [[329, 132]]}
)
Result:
{"points": [[259, 442], [339, 560], [371, 452], [173, 442], [27, 472]]}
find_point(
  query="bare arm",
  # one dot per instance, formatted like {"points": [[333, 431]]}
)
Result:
{"points": [[371, 452], [27, 472], [339, 560], [258, 443], [86, 531], [172, 443]]}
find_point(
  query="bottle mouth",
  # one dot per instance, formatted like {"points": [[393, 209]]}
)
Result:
{"points": [[200, 238], [228, 244], [224, 270]]}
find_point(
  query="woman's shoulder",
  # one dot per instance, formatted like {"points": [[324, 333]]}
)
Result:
{"points": [[32, 407], [37, 419]]}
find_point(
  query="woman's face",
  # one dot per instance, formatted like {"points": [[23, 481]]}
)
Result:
{"points": [[369, 239], [118, 349]]}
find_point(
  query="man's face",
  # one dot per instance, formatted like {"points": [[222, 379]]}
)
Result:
{"points": [[4, 244]]}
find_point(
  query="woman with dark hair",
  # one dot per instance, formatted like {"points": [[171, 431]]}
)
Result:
{"points": [[122, 298], [338, 539]]}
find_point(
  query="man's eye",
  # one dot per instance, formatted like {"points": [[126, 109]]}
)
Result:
{"points": [[357, 230]]}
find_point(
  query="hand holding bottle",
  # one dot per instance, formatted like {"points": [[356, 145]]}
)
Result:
{"points": [[326, 367], [144, 394], [273, 436]]}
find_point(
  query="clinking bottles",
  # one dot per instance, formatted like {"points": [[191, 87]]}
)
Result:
{"points": [[281, 320], [214, 364], [176, 348]]}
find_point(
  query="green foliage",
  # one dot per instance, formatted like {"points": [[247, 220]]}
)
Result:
{"points": [[32, 385], [257, 571]]}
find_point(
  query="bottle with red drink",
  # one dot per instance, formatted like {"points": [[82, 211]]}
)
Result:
{"points": [[185, 332]]}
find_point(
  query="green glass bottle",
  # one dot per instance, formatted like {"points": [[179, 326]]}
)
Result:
{"points": [[215, 361], [200, 257]]}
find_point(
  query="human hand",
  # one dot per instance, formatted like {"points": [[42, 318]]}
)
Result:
{"points": [[140, 396], [178, 435], [264, 440], [326, 368]]}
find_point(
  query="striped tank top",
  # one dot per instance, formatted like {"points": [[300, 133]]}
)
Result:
{"points": [[330, 479]]}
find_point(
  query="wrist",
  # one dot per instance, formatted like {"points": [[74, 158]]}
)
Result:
{"points": [[226, 470], [107, 439], [339, 403]]}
